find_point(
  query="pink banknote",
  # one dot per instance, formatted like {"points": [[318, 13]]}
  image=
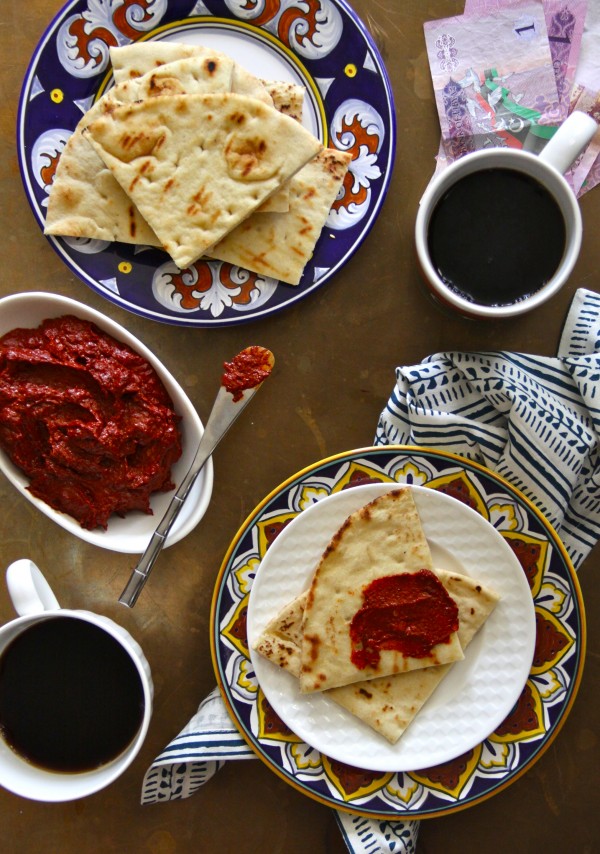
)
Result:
{"points": [[565, 21], [581, 173], [585, 95], [493, 79]]}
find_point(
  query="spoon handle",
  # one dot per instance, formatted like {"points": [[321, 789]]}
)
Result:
{"points": [[224, 412]]}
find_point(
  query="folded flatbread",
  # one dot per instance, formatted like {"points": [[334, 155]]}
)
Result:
{"points": [[383, 538], [136, 59], [195, 166], [387, 704], [280, 244], [287, 97], [139, 59], [86, 200]]}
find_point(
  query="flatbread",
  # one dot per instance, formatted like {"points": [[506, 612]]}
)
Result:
{"points": [[287, 97], [136, 59], [195, 166], [383, 538], [388, 704], [210, 72], [279, 245], [86, 200], [281, 639]]}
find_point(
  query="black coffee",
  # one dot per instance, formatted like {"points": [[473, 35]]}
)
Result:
{"points": [[496, 236], [71, 698]]}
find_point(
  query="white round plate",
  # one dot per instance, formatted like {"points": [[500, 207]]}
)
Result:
{"points": [[478, 692], [131, 533]]}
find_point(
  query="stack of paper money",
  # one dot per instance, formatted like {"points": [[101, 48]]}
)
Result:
{"points": [[508, 73]]}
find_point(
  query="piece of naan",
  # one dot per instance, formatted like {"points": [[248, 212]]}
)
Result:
{"points": [[387, 704], [85, 198], [138, 59], [195, 166], [287, 97], [279, 244], [383, 538]]}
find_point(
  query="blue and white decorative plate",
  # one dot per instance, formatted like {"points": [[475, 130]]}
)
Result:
{"points": [[320, 44], [481, 770]]}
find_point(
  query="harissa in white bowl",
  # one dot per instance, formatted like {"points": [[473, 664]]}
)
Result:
{"points": [[131, 533]]}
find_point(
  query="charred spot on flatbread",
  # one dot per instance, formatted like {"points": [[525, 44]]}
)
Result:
{"points": [[249, 156], [236, 168]]}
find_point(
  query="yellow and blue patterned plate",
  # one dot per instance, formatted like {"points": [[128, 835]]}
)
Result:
{"points": [[530, 726], [320, 44]]}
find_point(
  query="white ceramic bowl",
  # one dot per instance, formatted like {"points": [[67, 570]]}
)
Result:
{"points": [[131, 533]]}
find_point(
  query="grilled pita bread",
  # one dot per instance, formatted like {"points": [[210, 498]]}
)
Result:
{"points": [[195, 166], [287, 97], [387, 704], [86, 200], [139, 58], [383, 538], [280, 244]]}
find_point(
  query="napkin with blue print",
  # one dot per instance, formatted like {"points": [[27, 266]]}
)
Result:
{"points": [[210, 739], [534, 420]]}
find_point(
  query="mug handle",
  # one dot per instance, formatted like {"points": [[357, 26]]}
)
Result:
{"points": [[569, 141], [28, 589]]}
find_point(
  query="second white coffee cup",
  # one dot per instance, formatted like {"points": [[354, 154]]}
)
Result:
{"points": [[471, 230], [41, 616]]}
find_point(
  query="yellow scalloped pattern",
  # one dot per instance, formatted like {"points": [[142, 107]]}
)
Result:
{"points": [[526, 720], [450, 777], [236, 631], [353, 782], [532, 553], [460, 486], [552, 641], [270, 725]]}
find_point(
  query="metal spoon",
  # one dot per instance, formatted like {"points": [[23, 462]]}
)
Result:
{"points": [[240, 382]]}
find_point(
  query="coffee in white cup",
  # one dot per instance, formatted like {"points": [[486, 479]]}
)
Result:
{"points": [[75, 695], [499, 231]]}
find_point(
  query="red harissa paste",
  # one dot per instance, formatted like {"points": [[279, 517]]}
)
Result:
{"points": [[408, 612], [247, 370], [86, 418]]}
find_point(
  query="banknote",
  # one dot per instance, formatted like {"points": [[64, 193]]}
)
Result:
{"points": [[580, 175], [585, 95], [592, 179], [587, 74], [493, 79], [565, 20]]}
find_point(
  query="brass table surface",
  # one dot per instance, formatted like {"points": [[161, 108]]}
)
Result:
{"points": [[336, 352]]}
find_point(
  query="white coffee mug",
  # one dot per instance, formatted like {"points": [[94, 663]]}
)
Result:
{"points": [[35, 602], [547, 169]]}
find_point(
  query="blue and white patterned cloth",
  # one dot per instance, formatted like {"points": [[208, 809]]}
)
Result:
{"points": [[536, 421]]}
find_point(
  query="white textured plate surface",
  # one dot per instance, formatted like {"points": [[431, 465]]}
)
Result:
{"points": [[476, 695]]}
